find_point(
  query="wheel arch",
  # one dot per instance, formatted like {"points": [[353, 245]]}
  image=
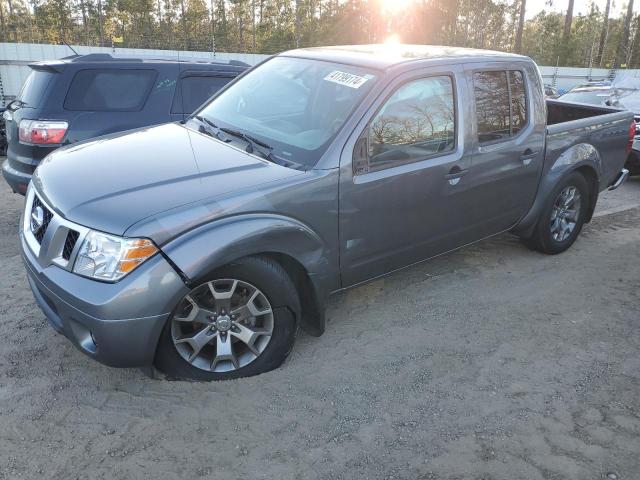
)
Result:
{"points": [[303, 254], [312, 320], [591, 175], [583, 158]]}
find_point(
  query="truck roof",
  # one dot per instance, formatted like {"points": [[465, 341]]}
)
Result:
{"points": [[385, 56]]}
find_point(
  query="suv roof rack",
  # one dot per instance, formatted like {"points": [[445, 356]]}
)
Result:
{"points": [[107, 57]]}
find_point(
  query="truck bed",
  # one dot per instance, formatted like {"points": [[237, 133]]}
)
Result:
{"points": [[560, 112], [584, 126]]}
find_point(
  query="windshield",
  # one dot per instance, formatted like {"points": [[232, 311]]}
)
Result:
{"points": [[597, 97], [295, 106]]}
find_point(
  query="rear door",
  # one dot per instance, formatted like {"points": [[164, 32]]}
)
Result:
{"points": [[508, 131], [195, 88]]}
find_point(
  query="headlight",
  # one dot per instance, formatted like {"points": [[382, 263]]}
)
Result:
{"points": [[107, 257]]}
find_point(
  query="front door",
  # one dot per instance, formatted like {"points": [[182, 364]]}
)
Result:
{"points": [[403, 192]]}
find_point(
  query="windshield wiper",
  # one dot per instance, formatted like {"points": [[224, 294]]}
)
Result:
{"points": [[17, 104], [207, 126], [255, 145], [251, 140]]}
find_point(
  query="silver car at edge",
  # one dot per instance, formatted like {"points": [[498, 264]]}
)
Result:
{"points": [[200, 247]]}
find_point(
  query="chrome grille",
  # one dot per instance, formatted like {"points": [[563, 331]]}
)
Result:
{"points": [[40, 219], [53, 239], [69, 244]]}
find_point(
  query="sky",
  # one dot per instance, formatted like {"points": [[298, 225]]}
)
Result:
{"points": [[580, 6]]}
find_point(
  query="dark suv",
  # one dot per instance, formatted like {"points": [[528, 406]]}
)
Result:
{"points": [[81, 97]]}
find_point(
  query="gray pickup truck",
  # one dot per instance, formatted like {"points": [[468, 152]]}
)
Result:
{"points": [[202, 246]]}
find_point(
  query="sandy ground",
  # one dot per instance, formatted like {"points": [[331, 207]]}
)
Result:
{"points": [[490, 363]]}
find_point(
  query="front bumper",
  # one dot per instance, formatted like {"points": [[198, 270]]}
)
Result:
{"points": [[117, 324]]}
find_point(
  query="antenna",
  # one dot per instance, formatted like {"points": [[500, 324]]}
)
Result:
{"points": [[70, 47]]}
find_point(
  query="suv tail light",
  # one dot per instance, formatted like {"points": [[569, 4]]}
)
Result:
{"points": [[42, 132], [632, 133]]}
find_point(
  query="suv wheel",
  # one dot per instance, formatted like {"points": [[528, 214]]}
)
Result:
{"points": [[563, 216], [239, 322]]}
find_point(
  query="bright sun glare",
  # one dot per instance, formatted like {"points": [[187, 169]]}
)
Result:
{"points": [[394, 6], [392, 39]]}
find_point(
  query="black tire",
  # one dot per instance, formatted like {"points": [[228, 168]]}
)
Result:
{"points": [[542, 239], [269, 277], [633, 163]]}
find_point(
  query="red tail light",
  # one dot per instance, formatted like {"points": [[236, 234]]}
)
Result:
{"points": [[42, 132], [632, 133]]}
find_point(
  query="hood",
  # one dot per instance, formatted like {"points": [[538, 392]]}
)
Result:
{"points": [[627, 83], [112, 182], [631, 102], [628, 79]]}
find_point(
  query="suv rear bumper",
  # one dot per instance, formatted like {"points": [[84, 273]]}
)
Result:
{"points": [[18, 181], [22, 161], [103, 320]]}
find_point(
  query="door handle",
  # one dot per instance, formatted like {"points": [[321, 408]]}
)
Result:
{"points": [[455, 174], [527, 156]]}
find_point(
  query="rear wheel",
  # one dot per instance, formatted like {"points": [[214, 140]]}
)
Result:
{"points": [[239, 322], [563, 216]]}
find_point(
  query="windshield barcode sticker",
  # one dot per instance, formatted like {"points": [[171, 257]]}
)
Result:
{"points": [[346, 79]]}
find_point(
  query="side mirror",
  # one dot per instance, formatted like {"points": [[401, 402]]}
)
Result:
{"points": [[360, 161]]}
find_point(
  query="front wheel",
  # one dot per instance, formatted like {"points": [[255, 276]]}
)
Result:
{"points": [[563, 216], [239, 322]]}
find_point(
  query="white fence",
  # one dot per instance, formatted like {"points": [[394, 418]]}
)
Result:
{"points": [[565, 78], [14, 58]]}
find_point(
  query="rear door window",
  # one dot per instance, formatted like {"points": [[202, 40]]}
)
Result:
{"points": [[501, 104], [110, 90], [34, 88], [492, 105], [194, 90], [518, 101]]}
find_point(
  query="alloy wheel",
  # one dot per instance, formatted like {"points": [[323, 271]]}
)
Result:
{"points": [[222, 325], [565, 213]]}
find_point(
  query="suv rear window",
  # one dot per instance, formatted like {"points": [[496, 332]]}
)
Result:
{"points": [[34, 87], [110, 90]]}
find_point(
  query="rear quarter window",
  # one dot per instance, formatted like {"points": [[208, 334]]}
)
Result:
{"points": [[34, 88], [110, 90], [194, 90]]}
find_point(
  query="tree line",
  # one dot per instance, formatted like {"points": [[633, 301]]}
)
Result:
{"points": [[268, 26]]}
